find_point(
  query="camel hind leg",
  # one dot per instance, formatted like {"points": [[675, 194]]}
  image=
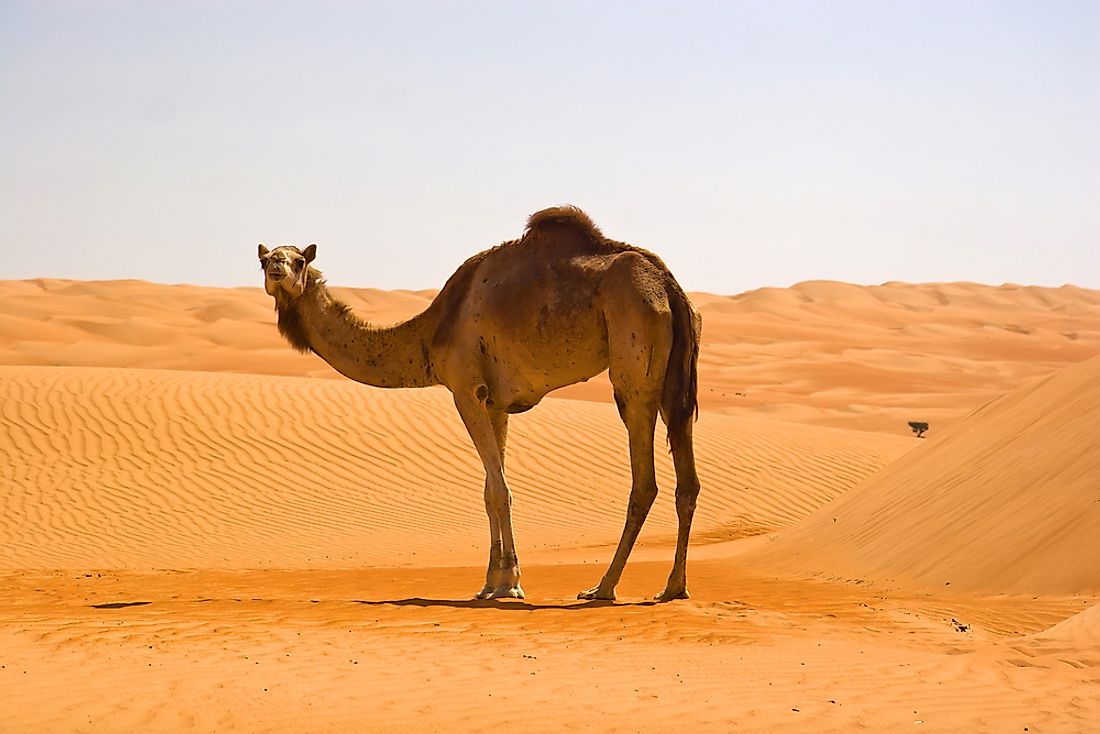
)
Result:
{"points": [[639, 329], [687, 490], [640, 419]]}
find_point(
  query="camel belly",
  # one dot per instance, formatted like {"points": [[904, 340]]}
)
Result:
{"points": [[519, 384]]}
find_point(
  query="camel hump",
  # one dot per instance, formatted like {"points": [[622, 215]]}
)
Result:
{"points": [[564, 216]]}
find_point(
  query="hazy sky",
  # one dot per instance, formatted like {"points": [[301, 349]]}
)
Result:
{"points": [[748, 143]]}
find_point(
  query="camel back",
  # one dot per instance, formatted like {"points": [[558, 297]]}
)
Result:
{"points": [[680, 397]]}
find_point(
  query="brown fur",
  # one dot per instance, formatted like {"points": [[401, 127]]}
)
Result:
{"points": [[290, 322], [567, 216], [680, 403]]}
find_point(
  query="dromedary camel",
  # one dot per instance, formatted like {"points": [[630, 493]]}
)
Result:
{"points": [[557, 306]]}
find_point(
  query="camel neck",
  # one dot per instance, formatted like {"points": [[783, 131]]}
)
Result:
{"points": [[394, 356]]}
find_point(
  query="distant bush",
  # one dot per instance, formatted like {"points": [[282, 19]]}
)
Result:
{"points": [[918, 428]]}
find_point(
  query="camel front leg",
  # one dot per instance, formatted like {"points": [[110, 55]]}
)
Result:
{"points": [[494, 574], [488, 430]]}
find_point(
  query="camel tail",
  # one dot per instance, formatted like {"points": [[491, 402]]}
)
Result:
{"points": [[680, 397]]}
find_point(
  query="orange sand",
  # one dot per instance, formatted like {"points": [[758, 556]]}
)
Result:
{"points": [[196, 533]]}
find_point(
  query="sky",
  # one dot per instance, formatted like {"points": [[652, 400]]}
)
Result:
{"points": [[749, 144]]}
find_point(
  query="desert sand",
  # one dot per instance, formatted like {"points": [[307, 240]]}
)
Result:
{"points": [[203, 530]]}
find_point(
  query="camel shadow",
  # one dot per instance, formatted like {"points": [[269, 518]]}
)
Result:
{"points": [[509, 605]]}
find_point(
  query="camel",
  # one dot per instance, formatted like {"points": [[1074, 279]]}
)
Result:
{"points": [[557, 306]]}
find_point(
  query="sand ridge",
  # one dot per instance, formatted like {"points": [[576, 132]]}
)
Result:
{"points": [[864, 357], [1005, 501]]}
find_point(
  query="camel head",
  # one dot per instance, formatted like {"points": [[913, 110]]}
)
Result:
{"points": [[286, 269]]}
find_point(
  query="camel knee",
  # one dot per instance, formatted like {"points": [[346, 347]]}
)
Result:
{"points": [[685, 506], [497, 495], [495, 502], [502, 501], [687, 492]]}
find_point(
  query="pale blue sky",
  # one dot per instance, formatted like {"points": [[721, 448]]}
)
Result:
{"points": [[748, 143]]}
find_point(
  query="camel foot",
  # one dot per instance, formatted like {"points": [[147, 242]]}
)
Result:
{"points": [[670, 593], [597, 593], [485, 593], [506, 592]]}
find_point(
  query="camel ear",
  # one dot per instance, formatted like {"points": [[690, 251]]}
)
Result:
{"points": [[264, 252], [309, 253]]}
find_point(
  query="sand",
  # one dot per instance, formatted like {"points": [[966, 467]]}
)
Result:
{"points": [[1005, 501], [203, 530], [823, 353]]}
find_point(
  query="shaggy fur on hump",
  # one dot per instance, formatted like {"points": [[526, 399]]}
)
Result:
{"points": [[564, 216]]}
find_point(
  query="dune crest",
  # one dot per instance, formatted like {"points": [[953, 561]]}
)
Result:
{"points": [[835, 354], [1006, 501]]}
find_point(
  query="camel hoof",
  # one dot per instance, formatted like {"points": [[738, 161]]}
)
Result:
{"points": [[507, 592], [596, 593], [671, 594], [485, 593]]}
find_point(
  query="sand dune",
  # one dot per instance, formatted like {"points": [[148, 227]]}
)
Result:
{"points": [[1077, 633], [874, 357], [864, 357], [200, 530], [128, 468], [1006, 501]]}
